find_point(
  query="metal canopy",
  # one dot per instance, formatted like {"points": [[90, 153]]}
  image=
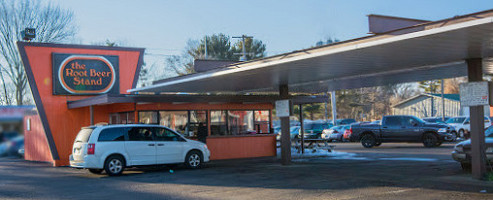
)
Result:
{"points": [[378, 60], [194, 98]]}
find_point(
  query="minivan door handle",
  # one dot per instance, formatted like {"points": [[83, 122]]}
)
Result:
{"points": [[160, 144], [150, 145]]}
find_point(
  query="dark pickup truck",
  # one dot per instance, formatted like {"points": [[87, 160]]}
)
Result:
{"points": [[401, 128]]}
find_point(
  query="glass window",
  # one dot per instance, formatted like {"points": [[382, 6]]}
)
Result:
{"points": [[83, 135], [262, 124], [112, 134], [122, 118], [114, 118], [240, 122], [140, 134], [196, 118], [176, 120], [148, 117], [130, 117], [218, 123], [163, 134], [393, 121]]}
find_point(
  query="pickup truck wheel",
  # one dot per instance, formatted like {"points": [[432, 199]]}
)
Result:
{"points": [[368, 141], [461, 133], [466, 166], [430, 140]]}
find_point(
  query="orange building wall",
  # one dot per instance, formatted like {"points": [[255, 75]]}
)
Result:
{"points": [[241, 147], [64, 123], [35, 144]]}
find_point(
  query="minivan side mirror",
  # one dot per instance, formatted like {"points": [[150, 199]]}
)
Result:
{"points": [[466, 122]]}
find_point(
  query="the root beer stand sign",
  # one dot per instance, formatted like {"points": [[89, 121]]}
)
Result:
{"points": [[85, 74]]}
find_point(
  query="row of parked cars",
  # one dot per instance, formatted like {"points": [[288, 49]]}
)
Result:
{"points": [[432, 132], [458, 127], [11, 144]]}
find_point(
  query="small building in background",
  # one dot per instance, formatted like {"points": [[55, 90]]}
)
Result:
{"points": [[11, 119], [430, 105]]}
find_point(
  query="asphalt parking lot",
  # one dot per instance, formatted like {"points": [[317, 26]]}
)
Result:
{"points": [[392, 171]]}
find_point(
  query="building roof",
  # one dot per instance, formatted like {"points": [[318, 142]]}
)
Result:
{"points": [[424, 51], [452, 97]]}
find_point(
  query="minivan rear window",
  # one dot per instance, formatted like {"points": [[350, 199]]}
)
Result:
{"points": [[83, 135]]}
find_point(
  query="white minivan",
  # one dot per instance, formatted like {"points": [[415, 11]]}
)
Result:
{"points": [[112, 148]]}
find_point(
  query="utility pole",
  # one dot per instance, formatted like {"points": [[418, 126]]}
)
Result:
{"points": [[243, 53], [205, 53]]}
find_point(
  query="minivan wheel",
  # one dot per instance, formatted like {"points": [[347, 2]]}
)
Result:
{"points": [[430, 140], [461, 133], [114, 165], [96, 171], [194, 160], [368, 141]]}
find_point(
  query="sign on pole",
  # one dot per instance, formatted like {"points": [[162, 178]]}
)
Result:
{"points": [[282, 108], [474, 94]]}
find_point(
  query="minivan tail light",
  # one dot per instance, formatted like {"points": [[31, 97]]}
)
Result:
{"points": [[91, 148], [351, 130]]}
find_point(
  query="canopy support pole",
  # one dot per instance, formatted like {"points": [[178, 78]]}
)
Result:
{"points": [[478, 154], [91, 113], [285, 136], [302, 131]]}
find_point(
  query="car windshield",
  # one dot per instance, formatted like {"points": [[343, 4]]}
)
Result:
{"points": [[456, 120], [84, 135]]}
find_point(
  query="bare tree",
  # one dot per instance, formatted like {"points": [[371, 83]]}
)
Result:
{"points": [[52, 24]]}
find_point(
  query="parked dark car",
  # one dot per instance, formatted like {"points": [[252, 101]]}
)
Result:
{"points": [[437, 120], [401, 128], [345, 121], [462, 150], [11, 147], [313, 130]]}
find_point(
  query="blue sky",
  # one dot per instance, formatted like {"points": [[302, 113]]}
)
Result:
{"points": [[163, 27]]}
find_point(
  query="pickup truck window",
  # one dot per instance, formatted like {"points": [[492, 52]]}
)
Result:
{"points": [[392, 121], [411, 121]]}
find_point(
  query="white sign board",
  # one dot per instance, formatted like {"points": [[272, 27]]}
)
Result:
{"points": [[474, 94], [282, 108]]}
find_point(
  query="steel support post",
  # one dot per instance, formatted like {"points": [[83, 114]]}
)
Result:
{"points": [[302, 130], [285, 136], [91, 114], [478, 155]]}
